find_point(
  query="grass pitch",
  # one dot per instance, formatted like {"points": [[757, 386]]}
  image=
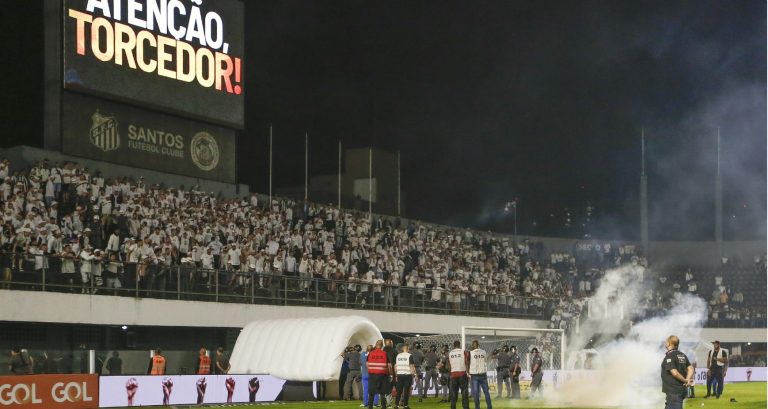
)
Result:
{"points": [[751, 395]]}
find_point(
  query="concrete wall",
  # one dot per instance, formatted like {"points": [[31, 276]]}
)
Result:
{"points": [[734, 334], [27, 306]]}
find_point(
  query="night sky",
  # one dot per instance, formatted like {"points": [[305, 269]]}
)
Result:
{"points": [[542, 101], [489, 101]]}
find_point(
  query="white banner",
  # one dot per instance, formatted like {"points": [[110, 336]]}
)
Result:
{"points": [[738, 374], [555, 378], [153, 390]]}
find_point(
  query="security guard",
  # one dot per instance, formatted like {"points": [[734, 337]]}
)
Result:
{"points": [[157, 363], [717, 366], [418, 360], [673, 382], [514, 372], [364, 370], [536, 372], [203, 363], [389, 348], [478, 372], [504, 361], [443, 368], [405, 371], [458, 365], [431, 374], [379, 371]]}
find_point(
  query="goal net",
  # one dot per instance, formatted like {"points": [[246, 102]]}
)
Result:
{"points": [[549, 342]]}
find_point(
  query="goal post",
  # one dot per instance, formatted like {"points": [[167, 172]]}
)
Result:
{"points": [[549, 342]]}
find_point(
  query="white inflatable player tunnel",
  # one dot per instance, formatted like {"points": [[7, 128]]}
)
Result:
{"points": [[300, 349]]}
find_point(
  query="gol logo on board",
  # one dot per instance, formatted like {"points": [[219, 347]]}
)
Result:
{"points": [[49, 391]]}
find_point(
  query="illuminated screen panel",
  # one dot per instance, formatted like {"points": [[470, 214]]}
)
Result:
{"points": [[113, 132], [121, 391], [182, 56]]}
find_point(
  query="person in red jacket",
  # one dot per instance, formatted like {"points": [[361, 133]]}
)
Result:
{"points": [[379, 372]]}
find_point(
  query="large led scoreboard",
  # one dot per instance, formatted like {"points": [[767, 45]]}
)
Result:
{"points": [[155, 84]]}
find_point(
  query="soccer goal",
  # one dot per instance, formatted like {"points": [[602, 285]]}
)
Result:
{"points": [[549, 342]]}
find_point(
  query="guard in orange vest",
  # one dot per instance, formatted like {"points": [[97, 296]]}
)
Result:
{"points": [[203, 363], [157, 364]]}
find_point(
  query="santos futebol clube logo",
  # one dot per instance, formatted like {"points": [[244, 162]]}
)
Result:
{"points": [[103, 134]]}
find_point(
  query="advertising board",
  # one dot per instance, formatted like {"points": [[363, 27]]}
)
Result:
{"points": [[113, 132], [49, 391], [735, 374], [183, 57], [152, 390]]}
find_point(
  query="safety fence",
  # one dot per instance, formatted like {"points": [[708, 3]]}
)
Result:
{"points": [[192, 283]]}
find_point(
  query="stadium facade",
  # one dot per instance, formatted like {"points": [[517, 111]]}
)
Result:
{"points": [[116, 116]]}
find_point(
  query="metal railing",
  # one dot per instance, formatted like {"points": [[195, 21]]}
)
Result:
{"points": [[188, 282], [191, 283]]}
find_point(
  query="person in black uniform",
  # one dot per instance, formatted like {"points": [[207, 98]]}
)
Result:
{"points": [[418, 360], [717, 366], [444, 369], [514, 372], [676, 374], [389, 348], [536, 372], [502, 371], [431, 359]]}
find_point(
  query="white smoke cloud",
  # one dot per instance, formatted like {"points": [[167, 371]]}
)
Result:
{"points": [[627, 370]]}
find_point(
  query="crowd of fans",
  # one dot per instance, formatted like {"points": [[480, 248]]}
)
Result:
{"points": [[746, 360], [103, 234]]}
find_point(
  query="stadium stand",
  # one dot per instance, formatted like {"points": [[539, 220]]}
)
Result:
{"points": [[67, 229]]}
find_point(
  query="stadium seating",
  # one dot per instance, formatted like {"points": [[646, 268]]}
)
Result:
{"points": [[66, 229]]}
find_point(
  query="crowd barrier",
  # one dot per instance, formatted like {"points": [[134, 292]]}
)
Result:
{"points": [[190, 283]]}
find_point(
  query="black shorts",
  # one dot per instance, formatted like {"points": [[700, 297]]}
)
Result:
{"points": [[536, 378], [502, 373], [378, 383]]}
